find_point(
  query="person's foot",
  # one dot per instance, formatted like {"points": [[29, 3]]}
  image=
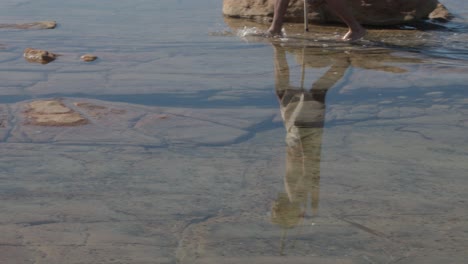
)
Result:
{"points": [[274, 32], [354, 35]]}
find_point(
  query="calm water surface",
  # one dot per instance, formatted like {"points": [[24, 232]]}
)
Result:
{"points": [[206, 146]]}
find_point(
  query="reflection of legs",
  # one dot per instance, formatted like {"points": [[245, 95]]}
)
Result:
{"points": [[281, 71], [332, 76], [312, 146], [356, 31]]}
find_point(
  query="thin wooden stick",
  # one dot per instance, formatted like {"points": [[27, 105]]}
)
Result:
{"points": [[306, 18]]}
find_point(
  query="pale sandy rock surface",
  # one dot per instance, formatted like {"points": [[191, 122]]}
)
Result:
{"points": [[52, 113]]}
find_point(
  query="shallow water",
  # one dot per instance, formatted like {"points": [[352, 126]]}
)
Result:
{"points": [[207, 146]]}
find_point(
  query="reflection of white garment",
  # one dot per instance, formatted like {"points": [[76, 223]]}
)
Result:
{"points": [[299, 113], [303, 115]]}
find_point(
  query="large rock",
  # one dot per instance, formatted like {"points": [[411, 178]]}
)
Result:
{"points": [[368, 12]]}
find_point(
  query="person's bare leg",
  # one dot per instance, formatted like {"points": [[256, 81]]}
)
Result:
{"points": [[356, 31], [280, 10]]}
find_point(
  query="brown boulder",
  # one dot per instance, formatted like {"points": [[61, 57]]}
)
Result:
{"points": [[368, 12]]}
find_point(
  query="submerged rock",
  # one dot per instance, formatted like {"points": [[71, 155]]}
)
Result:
{"points": [[39, 56], [86, 121], [52, 113], [368, 12], [33, 25]]}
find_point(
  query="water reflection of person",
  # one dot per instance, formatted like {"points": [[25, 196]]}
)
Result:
{"points": [[303, 113]]}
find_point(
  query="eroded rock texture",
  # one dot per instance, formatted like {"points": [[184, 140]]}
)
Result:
{"points": [[369, 12]]}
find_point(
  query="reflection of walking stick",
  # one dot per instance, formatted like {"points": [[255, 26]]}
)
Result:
{"points": [[306, 19], [283, 241], [303, 67], [300, 228]]}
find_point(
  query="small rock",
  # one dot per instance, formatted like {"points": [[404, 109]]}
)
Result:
{"points": [[88, 57], [441, 14], [89, 106], [33, 25], [39, 56], [163, 117]]}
